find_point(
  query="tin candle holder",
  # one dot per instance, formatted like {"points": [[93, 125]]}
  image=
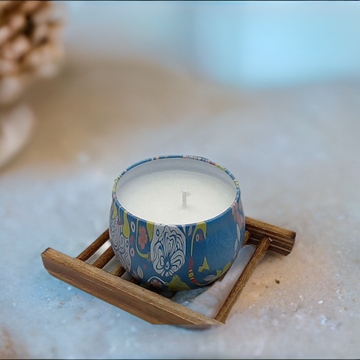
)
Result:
{"points": [[176, 222]]}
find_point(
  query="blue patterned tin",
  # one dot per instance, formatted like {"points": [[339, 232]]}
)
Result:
{"points": [[177, 257]]}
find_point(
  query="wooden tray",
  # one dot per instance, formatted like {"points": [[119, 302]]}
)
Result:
{"points": [[145, 303]]}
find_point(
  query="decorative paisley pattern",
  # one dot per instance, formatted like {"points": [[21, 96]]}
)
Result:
{"points": [[168, 249], [114, 220], [219, 273], [143, 238], [122, 247], [237, 213], [156, 282], [140, 272], [120, 243], [176, 284]]}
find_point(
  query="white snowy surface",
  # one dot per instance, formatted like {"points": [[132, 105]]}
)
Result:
{"points": [[208, 300], [296, 155]]}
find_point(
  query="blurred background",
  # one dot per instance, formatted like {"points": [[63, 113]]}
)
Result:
{"points": [[247, 44], [270, 90], [244, 46]]}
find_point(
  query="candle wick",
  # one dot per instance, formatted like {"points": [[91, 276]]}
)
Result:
{"points": [[185, 194]]}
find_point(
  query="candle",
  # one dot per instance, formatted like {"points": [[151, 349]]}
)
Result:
{"points": [[176, 222], [176, 196]]}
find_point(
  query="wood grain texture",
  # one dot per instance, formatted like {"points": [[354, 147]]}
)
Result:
{"points": [[134, 281], [95, 246], [118, 271], [104, 258], [246, 238], [134, 299], [243, 279], [282, 240]]}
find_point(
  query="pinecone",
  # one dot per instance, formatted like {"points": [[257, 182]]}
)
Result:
{"points": [[30, 45]]}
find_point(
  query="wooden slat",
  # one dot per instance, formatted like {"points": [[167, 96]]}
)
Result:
{"points": [[243, 279], [104, 258], [246, 238], [134, 299], [134, 281], [95, 246], [118, 271], [282, 240]]}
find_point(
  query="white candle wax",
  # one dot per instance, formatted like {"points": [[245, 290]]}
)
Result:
{"points": [[176, 192]]}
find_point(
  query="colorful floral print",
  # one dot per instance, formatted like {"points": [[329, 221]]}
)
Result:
{"points": [[168, 250], [143, 238]]}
